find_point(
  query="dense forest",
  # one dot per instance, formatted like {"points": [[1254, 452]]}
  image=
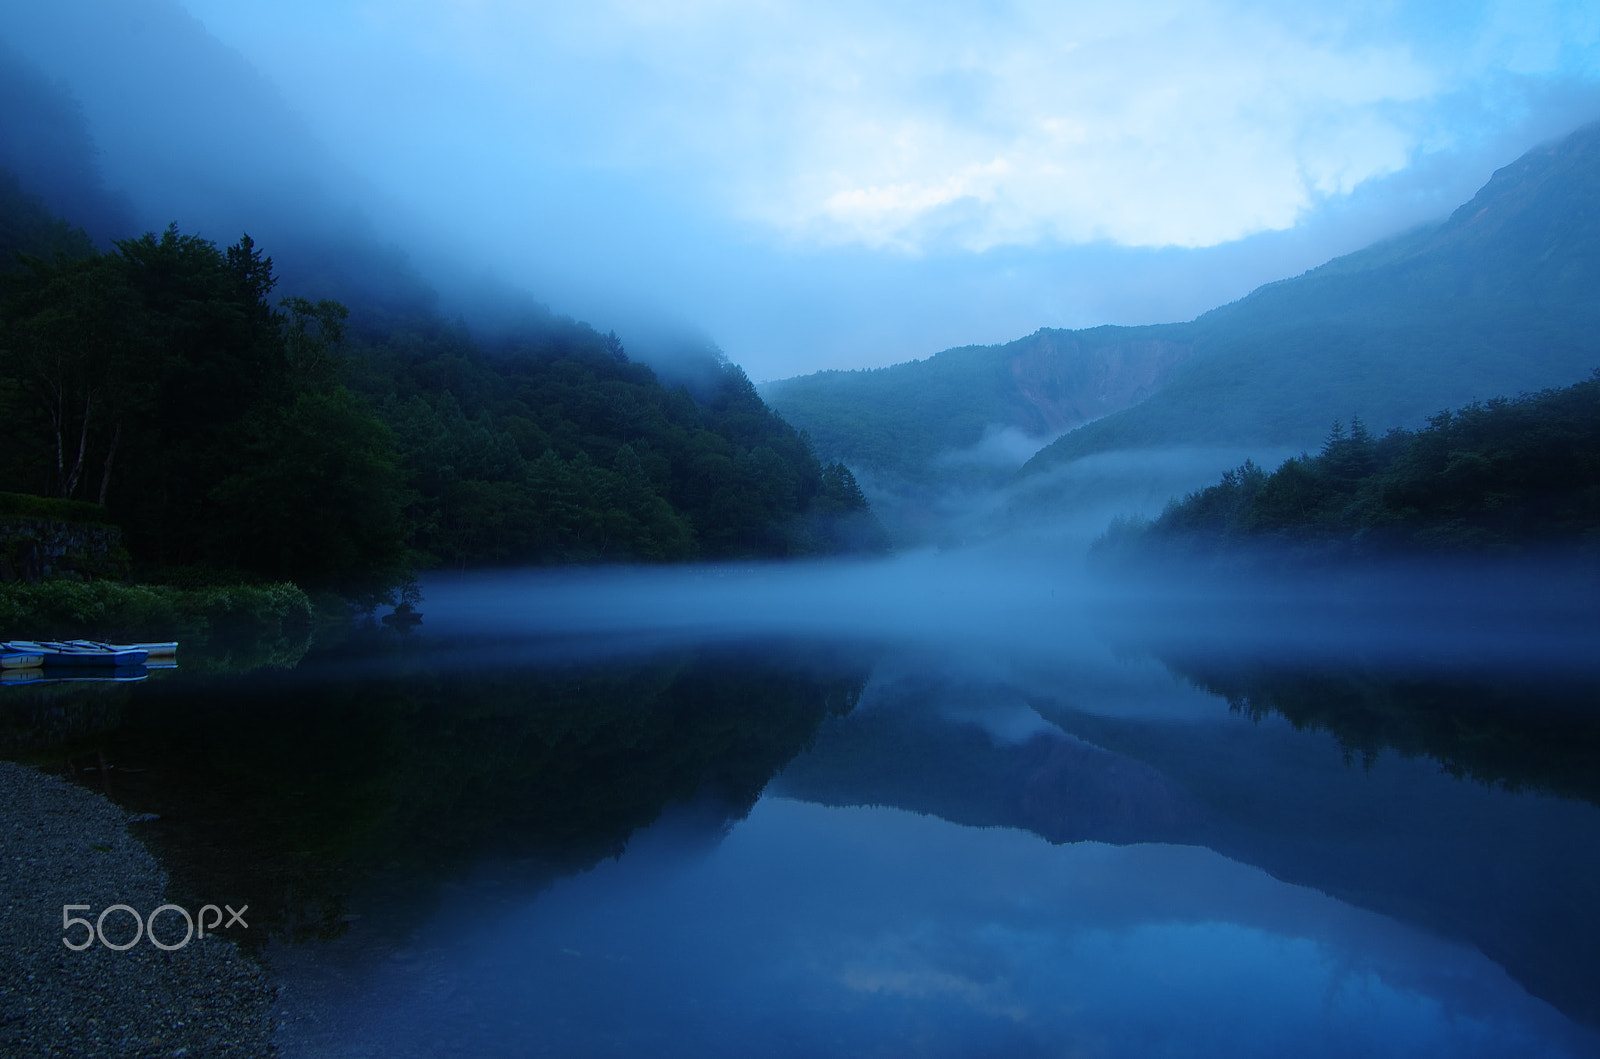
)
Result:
{"points": [[232, 434], [1501, 477]]}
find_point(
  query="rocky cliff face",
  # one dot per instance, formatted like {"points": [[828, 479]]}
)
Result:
{"points": [[1064, 379]]}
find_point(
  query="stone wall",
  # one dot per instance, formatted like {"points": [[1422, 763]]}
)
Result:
{"points": [[32, 549]]}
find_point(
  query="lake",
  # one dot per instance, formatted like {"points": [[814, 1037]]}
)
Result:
{"points": [[936, 805]]}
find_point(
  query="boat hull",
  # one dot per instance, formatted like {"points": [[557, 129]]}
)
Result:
{"points": [[168, 649], [56, 655]]}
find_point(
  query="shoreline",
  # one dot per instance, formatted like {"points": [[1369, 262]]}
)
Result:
{"points": [[62, 844]]}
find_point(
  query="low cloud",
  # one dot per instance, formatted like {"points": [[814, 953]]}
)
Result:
{"points": [[825, 184]]}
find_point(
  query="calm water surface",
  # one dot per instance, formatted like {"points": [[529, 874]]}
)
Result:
{"points": [[742, 813]]}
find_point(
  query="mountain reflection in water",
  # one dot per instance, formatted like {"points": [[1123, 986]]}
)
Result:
{"points": [[668, 813]]}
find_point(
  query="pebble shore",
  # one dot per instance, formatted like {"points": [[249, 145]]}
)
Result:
{"points": [[63, 845]]}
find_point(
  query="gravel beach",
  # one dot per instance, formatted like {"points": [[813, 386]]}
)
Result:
{"points": [[63, 845]]}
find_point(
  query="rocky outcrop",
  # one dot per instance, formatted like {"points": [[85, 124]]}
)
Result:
{"points": [[1064, 379], [33, 549], [923, 419]]}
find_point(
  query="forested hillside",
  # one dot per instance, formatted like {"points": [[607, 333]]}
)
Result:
{"points": [[231, 433], [27, 227], [898, 419], [1500, 477], [46, 146]]}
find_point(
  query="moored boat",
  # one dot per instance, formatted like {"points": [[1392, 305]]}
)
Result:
{"points": [[165, 649], [56, 653], [10, 659]]}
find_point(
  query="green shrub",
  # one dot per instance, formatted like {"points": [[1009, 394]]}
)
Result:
{"points": [[25, 506], [108, 610]]}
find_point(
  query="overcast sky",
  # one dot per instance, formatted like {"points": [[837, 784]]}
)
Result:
{"points": [[839, 184]]}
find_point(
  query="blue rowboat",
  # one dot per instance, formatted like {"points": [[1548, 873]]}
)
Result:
{"points": [[54, 654], [20, 659]]}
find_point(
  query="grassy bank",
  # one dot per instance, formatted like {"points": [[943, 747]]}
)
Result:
{"points": [[115, 611]]}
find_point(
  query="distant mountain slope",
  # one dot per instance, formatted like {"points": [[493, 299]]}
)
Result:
{"points": [[1497, 300], [28, 227], [897, 419], [45, 144]]}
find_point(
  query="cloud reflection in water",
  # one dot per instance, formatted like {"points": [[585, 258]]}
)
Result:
{"points": [[860, 931]]}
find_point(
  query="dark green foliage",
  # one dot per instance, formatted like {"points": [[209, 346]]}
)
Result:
{"points": [[328, 446], [48, 508], [557, 448], [159, 381], [1502, 476], [117, 612], [298, 793], [220, 432], [1509, 734]]}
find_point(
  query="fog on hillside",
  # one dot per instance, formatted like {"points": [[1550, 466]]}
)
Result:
{"points": [[376, 172]]}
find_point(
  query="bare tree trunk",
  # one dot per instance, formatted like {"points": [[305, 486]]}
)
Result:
{"points": [[56, 389], [111, 454], [61, 470], [71, 485]]}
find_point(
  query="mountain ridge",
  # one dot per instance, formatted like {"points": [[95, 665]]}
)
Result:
{"points": [[1040, 385], [1491, 300]]}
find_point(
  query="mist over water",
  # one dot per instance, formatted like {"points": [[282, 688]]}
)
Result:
{"points": [[978, 801], [1024, 605], [1046, 819]]}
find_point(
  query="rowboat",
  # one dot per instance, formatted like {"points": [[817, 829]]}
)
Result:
{"points": [[55, 653], [10, 659], [167, 649]]}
